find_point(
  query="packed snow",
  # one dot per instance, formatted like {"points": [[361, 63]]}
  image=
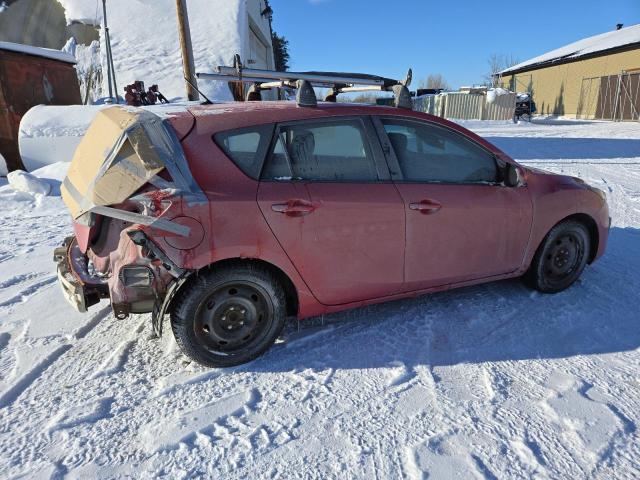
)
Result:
{"points": [[491, 381], [28, 183], [597, 43]]}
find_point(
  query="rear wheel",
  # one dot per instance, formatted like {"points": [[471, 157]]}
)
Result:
{"points": [[560, 259], [229, 315]]}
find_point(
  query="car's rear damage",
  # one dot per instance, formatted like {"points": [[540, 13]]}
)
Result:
{"points": [[126, 203], [229, 262]]}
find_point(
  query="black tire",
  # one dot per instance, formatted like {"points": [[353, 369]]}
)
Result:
{"points": [[229, 315], [560, 259]]}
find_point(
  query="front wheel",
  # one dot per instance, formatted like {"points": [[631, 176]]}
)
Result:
{"points": [[560, 259], [229, 315]]}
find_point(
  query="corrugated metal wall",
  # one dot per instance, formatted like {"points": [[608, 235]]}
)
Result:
{"points": [[467, 106], [503, 108], [463, 106], [431, 104], [559, 89], [611, 97]]}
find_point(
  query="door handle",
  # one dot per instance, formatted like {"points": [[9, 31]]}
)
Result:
{"points": [[294, 208], [426, 207]]}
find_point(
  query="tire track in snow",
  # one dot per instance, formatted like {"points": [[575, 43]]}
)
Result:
{"points": [[18, 279], [5, 337], [115, 362], [10, 395], [92, 323], [23, 295]]}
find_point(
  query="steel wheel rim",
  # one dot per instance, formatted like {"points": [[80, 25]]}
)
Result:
{"points": [[564, 257], [234, 316]]}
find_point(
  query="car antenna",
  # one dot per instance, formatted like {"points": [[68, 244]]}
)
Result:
{"points": [[207, 101]]}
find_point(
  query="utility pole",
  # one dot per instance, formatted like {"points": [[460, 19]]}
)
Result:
{"points": [[111, 71], [106, 44], [187, 50]]}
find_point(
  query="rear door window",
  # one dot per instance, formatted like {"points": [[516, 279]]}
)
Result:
{"points": [[328, 151], [246, 147]]}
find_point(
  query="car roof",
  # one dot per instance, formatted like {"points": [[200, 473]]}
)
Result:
{"points": [[213, 118], [281, 105], [227, 116]]}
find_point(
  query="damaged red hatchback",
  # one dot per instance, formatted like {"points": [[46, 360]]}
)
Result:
{"points": [[232, 217]]}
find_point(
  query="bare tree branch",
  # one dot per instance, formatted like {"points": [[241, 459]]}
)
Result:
{"points": [[498, 62], [435, 80]]}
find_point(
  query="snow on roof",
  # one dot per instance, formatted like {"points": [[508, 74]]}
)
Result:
{"points": [[597, 43], [145, 45], [38, 51]]}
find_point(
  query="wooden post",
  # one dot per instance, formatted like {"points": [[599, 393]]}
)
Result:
{"points": [[187, 51], [107, 47]]}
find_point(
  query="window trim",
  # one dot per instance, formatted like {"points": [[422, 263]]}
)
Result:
{"points": [[371, 139], [394, 164], [261, 152]]}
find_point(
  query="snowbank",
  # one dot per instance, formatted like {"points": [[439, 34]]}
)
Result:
{"points": [[28, 183], [144, 37], [50, 134]]}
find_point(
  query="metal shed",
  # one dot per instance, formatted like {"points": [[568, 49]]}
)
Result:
{"points": [[31, 76]]}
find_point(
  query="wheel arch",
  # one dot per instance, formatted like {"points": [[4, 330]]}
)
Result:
{"points": [[290, 290], [592, 227]]}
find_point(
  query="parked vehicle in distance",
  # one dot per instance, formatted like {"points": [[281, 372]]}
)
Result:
{"points": [[293, 211]]}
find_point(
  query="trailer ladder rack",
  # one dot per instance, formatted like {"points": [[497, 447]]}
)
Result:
{"points": [[305, 81]]}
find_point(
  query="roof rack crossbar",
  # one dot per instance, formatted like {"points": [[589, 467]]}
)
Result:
{"points": [[319, 78], [337, 82]]}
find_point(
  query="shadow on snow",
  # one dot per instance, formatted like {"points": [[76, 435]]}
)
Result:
{"points": [[500, 321], [546, 148]]}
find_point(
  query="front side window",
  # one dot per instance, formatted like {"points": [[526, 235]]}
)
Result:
{"points": [[246, 147], [335, 151], [428, 153]]}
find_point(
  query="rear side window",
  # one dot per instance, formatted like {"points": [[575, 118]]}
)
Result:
{"points": [[247, 147], [335, 151]]}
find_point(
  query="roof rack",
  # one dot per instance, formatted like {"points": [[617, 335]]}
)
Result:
{"points": [[305, 81]]}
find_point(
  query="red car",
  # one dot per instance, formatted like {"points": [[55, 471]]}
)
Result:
{"points": [[265, 210]]}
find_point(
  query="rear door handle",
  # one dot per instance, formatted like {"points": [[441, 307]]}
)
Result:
{"points": [[426, 207], [294, 208]]}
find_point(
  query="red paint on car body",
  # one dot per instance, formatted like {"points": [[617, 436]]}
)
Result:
{"points": [[343, 245]]}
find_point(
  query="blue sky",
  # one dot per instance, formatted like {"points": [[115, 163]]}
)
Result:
{"points": [[453, 38]]}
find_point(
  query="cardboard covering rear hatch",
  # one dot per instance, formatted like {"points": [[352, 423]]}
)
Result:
{"points": [[123, 149]]}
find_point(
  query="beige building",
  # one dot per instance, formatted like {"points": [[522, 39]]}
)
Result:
{"points": [[597, 77]]}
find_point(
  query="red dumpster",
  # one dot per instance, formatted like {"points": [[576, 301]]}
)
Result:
{"points": [[31, 76]]}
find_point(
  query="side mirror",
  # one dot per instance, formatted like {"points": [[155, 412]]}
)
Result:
{"points": [[514, 176]]}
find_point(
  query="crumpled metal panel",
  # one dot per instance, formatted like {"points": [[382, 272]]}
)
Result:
{"points": [[123, 149]]}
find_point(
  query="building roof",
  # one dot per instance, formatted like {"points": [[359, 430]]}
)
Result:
{"points": [[38, 52], [598, 44]]}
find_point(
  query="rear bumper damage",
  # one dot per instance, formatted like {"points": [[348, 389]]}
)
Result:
{"points": [[79, 287], [128, 290]]}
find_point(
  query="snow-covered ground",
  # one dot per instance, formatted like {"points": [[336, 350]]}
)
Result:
{"points": [[492, 381]]}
